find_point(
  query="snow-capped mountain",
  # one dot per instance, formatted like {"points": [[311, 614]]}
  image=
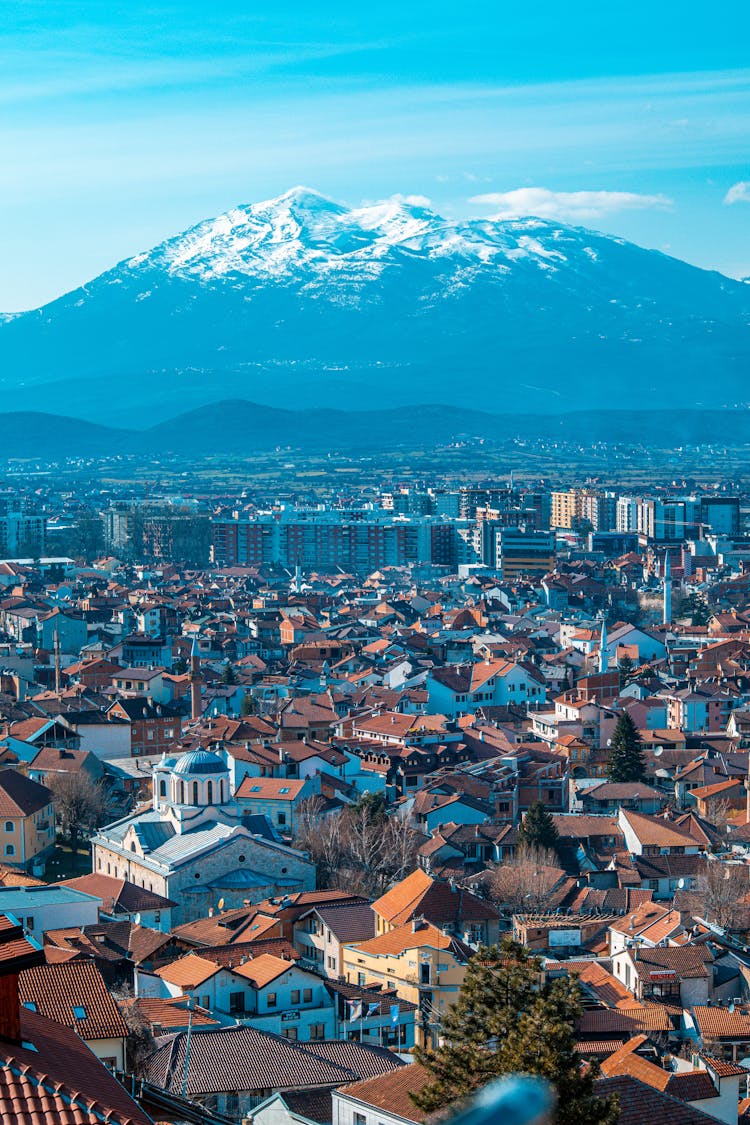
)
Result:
{"points": [[302, 301]]}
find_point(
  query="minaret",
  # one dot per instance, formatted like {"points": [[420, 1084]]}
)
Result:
{"points": [[195, 681], [667, 590], [603, 650], [57, 662]]}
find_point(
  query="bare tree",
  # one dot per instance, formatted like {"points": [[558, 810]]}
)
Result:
{"points": [[720, 814], [525, 882], [360, 847], [320, 835], [140, 1041], [80, 804], [721, 890]]}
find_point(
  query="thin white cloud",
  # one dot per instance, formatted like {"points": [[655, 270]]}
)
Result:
{"points": [[738, 193], [572, 206], [414, 200]]}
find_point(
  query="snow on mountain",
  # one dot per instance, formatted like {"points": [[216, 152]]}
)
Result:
{"points": [[303, 230], [300, 301]]}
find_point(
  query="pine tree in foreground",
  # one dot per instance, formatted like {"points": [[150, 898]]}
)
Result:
{"points": [[626, 762], [506, 1022]]}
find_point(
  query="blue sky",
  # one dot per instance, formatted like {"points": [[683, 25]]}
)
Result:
{"points": [[122, 123]]}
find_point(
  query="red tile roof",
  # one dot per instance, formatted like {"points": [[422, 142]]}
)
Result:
{"points": [[58, 990], [58, 1080]]}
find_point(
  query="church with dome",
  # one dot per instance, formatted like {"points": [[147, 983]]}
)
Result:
{"points": [[192, 846]]}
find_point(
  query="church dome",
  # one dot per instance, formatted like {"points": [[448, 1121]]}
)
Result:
{"points": [[197, 763]]}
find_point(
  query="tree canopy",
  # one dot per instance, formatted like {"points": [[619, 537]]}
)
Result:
{"points": [[538, 831], [506, 1021], [626, 761]]}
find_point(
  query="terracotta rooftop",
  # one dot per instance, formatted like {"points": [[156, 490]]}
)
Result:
{"points": [[75, 996], [390, 1092]]}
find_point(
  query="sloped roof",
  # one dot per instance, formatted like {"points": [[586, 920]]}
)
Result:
{"points": [[60, 1081], [59, 990], [245, 1059], [433, 899], [19, 796], [390, 1092]]}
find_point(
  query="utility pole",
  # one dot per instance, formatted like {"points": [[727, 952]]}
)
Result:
{"points": [[187, 1047]]}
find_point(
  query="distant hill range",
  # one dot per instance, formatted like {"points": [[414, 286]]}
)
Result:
{"points": [[301, 301], [238, 427]]}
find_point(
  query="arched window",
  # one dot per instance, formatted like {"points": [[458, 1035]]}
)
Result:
{"points": [[132, 845], [210, 793], [182, 792], [163, 788], [10, 849], [9, 826], [195, 792], [221, 792]]}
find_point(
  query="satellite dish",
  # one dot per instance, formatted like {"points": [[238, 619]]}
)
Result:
{"points": [[658, 751], [220, 905], [137, 918], [681, 884]]}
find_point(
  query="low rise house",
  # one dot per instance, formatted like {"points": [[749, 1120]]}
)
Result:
{"points": [[266, 992], [49, 907], [232, 1070], [74, 994], [426, 966], [27, 821], [320, 933], [277, 798], [47, 1072]]}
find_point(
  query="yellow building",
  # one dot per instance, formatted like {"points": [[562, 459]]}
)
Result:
{"points": [[27, 820], [563, 509], [424, 965]]}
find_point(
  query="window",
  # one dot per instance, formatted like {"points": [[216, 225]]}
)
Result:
{"points": [[79, 1011], [9, 826], [271, 1000], [317, 1031], [289, 1033], [29, 921], [157, 915], [307, 996], [284, 790], [195, 792], [30, 1004], [162, 788], [233, 1105], [236, 1002], [281, 818], [150, 735], [205, 1001], [210, 793], [360, 979], [360, 1119], [295, 996], [10, 849]]}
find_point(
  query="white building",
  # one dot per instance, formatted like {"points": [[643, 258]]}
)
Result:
{"points": [[192, 847]]}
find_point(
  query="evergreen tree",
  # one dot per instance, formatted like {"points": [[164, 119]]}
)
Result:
{"points": [[506, 1022], [543, 1042], [538, 830], [228, 675], [626, 761], [498, 985], [247, 707], [626, 668]]}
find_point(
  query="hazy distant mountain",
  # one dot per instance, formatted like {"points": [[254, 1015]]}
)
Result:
{"points": [[238, 428], [301, 302]]}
